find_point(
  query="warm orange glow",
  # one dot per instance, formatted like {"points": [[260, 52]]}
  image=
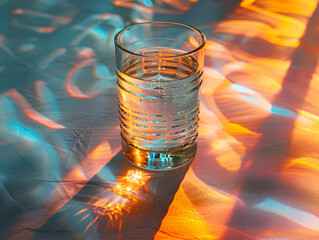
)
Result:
{"points": [[49, 29], [217, 51], [86, 53], [30, 112], [187, 218], [274, 14], [183, 5], [138, 157], [258, 29], [130, 184], [183, 221], [17, 11], [245, 81], [246, 3], [236, 129], [193, 41], [299, 7], [119, 202], [100, 152], [312, 94], [228, 153], [309, 163], [111, 209], [308, 122]]}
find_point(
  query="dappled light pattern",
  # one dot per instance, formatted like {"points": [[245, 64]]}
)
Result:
{"points": [[115, 202], [256, 172], [258, 143]]}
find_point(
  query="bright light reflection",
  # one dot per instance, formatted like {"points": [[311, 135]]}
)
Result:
{"points": [[23, 132], [283, 111], [118, 200], [299, 216], [242, 88]]}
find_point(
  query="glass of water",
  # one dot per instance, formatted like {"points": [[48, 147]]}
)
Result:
{"points": [[159, 68]]}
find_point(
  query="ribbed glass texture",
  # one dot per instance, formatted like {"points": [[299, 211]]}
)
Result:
{"points": [[159, 68]]}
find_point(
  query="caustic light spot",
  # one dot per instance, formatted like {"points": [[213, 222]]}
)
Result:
{"points": [[283, 111], [24, 132], [299, 216], [241, 88]]}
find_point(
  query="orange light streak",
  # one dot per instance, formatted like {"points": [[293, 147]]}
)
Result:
{"points": [[307, 122], [217, 51], [72, 89], [46, 29], [81, 211], [30, 112], [236, 129], [84, 217], [309, 163], [105, 16], [183, 5], [17, 11], [251, 29], [298, 7], [246, 3], [226, 155], [86, 53], [193, 41], [283, 25]]}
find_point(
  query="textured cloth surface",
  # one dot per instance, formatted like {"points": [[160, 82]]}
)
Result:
{"points": [[62, 172]]}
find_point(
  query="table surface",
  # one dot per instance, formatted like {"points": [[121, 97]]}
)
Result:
{"points": [[62, 172]]}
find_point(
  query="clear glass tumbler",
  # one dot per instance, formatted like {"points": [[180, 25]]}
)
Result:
{"points": [[159, 68]]}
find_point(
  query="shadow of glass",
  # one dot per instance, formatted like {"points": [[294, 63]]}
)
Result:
{"points": [[129, 205]]}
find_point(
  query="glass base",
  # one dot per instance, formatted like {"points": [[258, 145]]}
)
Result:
{"points": [[152, 159]]}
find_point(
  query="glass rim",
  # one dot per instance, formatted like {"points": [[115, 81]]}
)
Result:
{"points": [[118, 45]]}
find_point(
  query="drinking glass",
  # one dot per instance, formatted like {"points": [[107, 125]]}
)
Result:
{"points": [[159, 69]]}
